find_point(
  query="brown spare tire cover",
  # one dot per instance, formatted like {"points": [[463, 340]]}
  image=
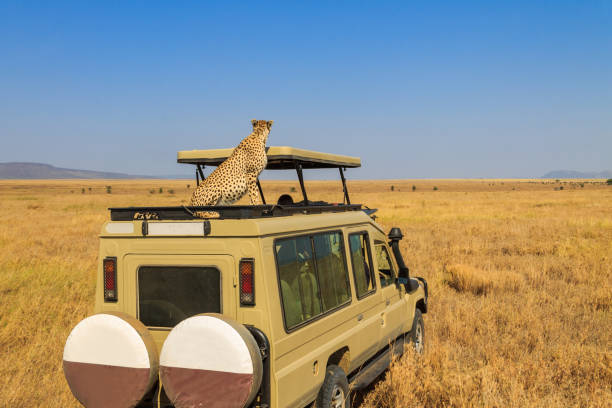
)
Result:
{"points": [[110, 360], [210, 360]]}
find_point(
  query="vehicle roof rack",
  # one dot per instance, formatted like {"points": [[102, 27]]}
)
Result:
{"points": [[226, 212]]}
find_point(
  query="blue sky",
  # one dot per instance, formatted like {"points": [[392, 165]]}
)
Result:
{"points": [[417, 89]]}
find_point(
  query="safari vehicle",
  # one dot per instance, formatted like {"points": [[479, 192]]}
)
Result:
{"points": [[275, 305]]}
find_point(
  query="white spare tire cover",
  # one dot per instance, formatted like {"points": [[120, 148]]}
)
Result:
{"points": [[210, 360], [110, 360]]}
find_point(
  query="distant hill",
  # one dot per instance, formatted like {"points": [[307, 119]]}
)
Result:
{"points": [[565, 174], [46, 171]]}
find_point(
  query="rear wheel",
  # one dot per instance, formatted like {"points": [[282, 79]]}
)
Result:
{"points": [[334, 392], [417, 335]]}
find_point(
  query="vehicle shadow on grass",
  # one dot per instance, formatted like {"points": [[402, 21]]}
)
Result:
{"points": [[358, 396]]}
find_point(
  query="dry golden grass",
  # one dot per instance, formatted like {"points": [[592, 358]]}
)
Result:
{"points": [[519, 271], [466, 278]]}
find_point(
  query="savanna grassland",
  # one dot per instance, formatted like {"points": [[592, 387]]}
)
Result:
{"points": [[520, 277]]}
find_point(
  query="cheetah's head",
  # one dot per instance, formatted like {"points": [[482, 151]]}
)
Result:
{"points": [[262, 126]]}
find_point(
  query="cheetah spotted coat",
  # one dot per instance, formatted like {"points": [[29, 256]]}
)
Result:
{"points": [[238, 174]]}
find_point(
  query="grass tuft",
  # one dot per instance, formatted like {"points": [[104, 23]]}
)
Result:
{"points": [[466, 278]]}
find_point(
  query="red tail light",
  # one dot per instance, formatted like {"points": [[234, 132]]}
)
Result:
{"points": [[247, 282], [110, 279]]}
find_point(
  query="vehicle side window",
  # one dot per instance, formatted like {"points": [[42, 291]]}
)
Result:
{"points": [[331, 269], [313, 276], [361, 260], [299, 287], [385, 266]]}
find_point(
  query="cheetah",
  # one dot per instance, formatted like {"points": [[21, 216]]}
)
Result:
{"points": [[238, 174]]}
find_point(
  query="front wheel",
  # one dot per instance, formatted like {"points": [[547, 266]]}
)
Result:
{"points": [[334, 392], [417, 335]]}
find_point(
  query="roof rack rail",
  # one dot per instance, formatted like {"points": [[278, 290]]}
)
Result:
{"points": [[225, 212]]}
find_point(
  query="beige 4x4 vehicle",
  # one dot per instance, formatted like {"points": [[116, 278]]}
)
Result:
{"points": [[283, 305]]}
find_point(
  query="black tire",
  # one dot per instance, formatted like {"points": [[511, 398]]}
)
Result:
{"points": [[417, 334], [334, 392]]}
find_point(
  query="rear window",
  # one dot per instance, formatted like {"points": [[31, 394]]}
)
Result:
{"points": [[169, 294]]}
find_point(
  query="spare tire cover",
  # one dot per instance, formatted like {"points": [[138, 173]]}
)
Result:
{"points": [[110, 360], [210, 360]]}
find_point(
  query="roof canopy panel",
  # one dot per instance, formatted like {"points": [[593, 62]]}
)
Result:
{"points": [[279, 158]]}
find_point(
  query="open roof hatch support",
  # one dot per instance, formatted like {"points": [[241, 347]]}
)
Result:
{"points": [[199, 172], [346, 196], [298, 168], [263, 199]]}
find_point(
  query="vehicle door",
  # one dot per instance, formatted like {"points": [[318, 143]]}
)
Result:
{"points": [[370, 303], [167, 289], [393, 315]]}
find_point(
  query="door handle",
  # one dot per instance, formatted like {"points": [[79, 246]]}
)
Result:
{"points": [[359, 317], [388, 302]]}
